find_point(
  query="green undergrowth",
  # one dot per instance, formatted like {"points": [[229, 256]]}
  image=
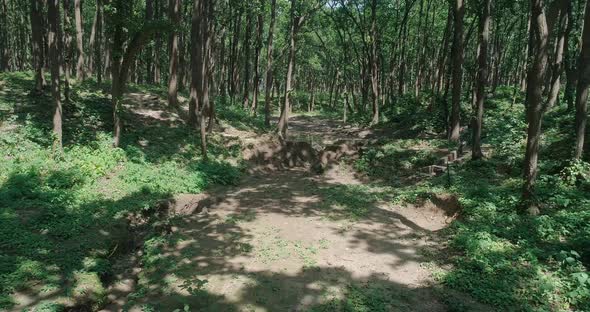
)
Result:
{"points": [[63, 216], [500, 257]]}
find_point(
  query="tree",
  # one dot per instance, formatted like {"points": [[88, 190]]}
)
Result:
{"points": [[269, 64], [535, 107], [123, 58], [296, 21], [37, 44], [374, 66], [259, 30], [53, 19], [583, 86], [557, 67], [246, 98], [174, 15], [457, 57], [284, 118], [482, 75], [80, 70]]}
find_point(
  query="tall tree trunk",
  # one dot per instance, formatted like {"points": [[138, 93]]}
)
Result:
{"points": [[557, 70], [174, 15], [202, 71], [583, 85], [246, 98], [4, 54], [374, 66], [97, 47], [269, 64], [53, 19], [37, 44], [92, 41], [149, 51], [457, 57], [259, 30], [285, 109], [159, 7], [535, 107], [482, 75], [123, 59], [67, 50], [195, 54], [80, 72], [570, 62]]}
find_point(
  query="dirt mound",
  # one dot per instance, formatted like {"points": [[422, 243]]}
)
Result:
{"points": [[291, 154], [435, 212]]}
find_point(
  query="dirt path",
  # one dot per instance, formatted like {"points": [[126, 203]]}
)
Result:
{"points": [[289, 240]]}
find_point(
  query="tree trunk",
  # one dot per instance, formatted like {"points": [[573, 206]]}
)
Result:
{"points": [[92, 41], [203, 71], [174, 15], [269, 64], [583, 85], [80, 72], [457, 57], [37, 44], [123, 59], [570, 63], [149, 58], [97, 47], [246, 98], [557, 71], [535, 107], [4, 54], [259, 29], [159, 7], [482, 75], [374, 66], [53, 38], [284, 118], [67, 50], [195, 54]]}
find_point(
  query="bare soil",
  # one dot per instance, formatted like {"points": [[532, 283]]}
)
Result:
{"points": [[288, 239]]}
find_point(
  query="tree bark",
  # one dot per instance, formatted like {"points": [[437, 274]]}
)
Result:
{"points": [[37, 44], [535, 107], [195, 55], [284, 118], [80, 71], [174, 15], [583, 85], [123, 59], [374, 66], [92, 41], [557, 66], [97, 47], [482, 74], [53, 19], [570, 63], [246, 97], [4, 45], [269, 64], [149, 53], [259, 29], [457, 57], [67, 50]]}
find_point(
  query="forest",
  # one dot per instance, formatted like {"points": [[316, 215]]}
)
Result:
{"points": [[294, 155]]}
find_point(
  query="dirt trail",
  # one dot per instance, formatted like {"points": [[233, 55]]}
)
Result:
{"points": [[291, 240]]}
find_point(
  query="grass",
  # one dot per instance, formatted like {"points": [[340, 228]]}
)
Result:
{"points": [[54, 206], [498, 256]]}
